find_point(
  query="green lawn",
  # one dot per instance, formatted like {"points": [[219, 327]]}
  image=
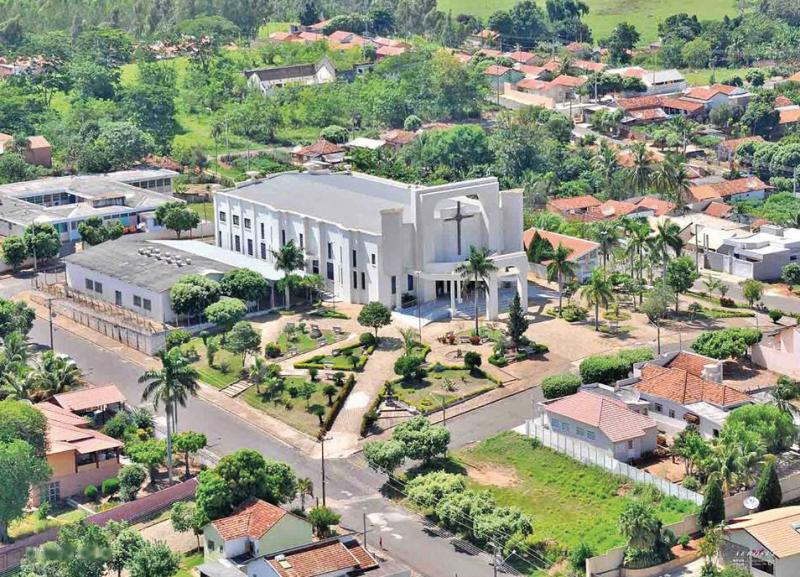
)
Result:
{"points": [[703, 75], [568, 502], [204, 210], [215, 376], [448, 386], [605, 14], [30, 524], [189, 562], [338, 362], [291, 410], [301, 341]]}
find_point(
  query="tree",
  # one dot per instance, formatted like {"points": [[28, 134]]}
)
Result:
{"points": [[409, 367], [177, 216], [244, 339], [375, 315], [760, 115], [124, 547], [22, 470], [623, 39], [385, 456], [639, 525], [244, 284], [321, 518], [305, 488], [712, 511], [317, 410], [776, 428], [15, 316], [226, 312], [697, 53], [517, 323], [752, 290], [597, 291], [154, 560], [421, 440], [14, 251], [681, 274], [561, 268], [655, 307], [191, 294], [288, 259], [94, 232], [55, 374], [150, 454], [478, 267], [184, 517], [131, 478], [334, 133], [21, 421], [790, 273], [330, 391], [667, 237], [80, 550], [768, 490], [539, 249], [42, 241], [189, 443], [171, 386], [731, 343], [472, 360]]}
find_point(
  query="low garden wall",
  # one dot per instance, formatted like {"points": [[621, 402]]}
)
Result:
{"points": [[662, 569]]}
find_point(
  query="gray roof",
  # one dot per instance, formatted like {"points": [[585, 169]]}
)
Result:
{"points": [[224, 256], [350, 200], [286, 72], [219, 568], [121, 259]]}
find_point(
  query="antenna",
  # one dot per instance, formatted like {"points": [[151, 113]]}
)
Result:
{"points": [[751, 503]]}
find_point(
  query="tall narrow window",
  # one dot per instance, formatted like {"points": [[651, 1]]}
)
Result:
{"points": [[355, 259], [302, 240], [330, 251], [283, 236]]}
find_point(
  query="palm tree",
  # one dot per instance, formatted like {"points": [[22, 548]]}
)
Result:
{"points": [[712, 284], [561, 268], [638, 239], [597, 292], [672, 179], [305, 487], [55, 374], [607, 234], [641, 173], [17, 387], [170, 386], [667, 237], [314, 283], [258, 372], [605, 162], [536, 187], [477, 267], [288, 259], [409, 336], [16, 349]]}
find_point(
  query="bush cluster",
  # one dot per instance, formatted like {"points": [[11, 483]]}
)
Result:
{"points": [[607, 369], [556, 386]]}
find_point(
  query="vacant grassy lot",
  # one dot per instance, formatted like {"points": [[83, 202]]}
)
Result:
{"points": [[30, 524], [188, 563], [215, 376], [605, 14], [568, 502], [703, 75], [447, 386]]}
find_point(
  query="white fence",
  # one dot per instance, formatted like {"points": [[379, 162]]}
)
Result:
{"points": [[589, 454]]}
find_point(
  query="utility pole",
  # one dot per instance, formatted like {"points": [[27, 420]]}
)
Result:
{"points": [[322, 441], [364, 530], [50, 318], [696, 248]]}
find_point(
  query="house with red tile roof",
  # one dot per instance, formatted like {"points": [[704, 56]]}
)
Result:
{"points": [[603, 421], [589, 65], [718, 94], [321, 151], [584, 253], [522, 57], [573, 205], [781, 101], [398, 138], [747, 188], [726, 150], [90, 399], [719, 209], [386, 51], [335, 557], [789, 116], [497, 75]]}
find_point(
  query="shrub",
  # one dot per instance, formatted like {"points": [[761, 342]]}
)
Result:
{"points": [[638, 355], [726, 343], [472, 360], [409, 367], [603, 369], [367, 340], [272, 351], [573, 313], [775, 315], [91, 492], [118, 425], [177, 338], [727, 302], [110, 486], [427, 490], [684, 540], [225, 367], [791, 274], [498, 360], [131, 478], [556, 386], [579, 555], [691, 483]]}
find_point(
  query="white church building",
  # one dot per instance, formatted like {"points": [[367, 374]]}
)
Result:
{"points": [[374, 239]]}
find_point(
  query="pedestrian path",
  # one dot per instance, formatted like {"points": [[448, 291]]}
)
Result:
{"points": [[237, 388]]}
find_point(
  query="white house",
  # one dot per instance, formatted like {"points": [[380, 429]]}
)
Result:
{"points": [[373, 239], [766, 544], [779, 352], [656, 81], [602, 421], [759, 256], [267, 79], [718, 94]]}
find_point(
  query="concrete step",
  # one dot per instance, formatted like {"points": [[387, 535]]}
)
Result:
{"points": [[237, 388]]}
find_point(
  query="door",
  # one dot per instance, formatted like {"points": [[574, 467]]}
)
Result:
{"points": [[118, 298]]}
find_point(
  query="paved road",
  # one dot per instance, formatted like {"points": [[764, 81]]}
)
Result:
{"points": [[352, 489], [784, 303]]}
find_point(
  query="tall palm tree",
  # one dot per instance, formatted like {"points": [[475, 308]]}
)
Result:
{"points": [[171, 386], [560, 269], [605, 162], [288, 259], [536, 187], [666, 238], [638, 238], [305, 487], [597, 291], [673, 181], [54, 374], [477, 267], [607, 234], [640, 174], [258, 372]]}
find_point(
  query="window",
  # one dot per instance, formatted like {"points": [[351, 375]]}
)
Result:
{"points": [[363, 281], [89, 284], [330, 251], [590, 435], [410, 282], [137, 301], [210, 545], [315, 266], [264, 251], [262, 230], [250, 246], [235, 220], [580, 431], [248, 224], [98, 287], [716, 432], [51, 492], [394, 285], [355, 279], [372, 259], [355, 260], [219, 239], [237, 243], [283, 236], [555, 424], [302, 240], [565, 427], [762, 565], [658, 408], [222, 216], [630, 444], [147, 304], [329, 271], [671, 414], [118, 298]]}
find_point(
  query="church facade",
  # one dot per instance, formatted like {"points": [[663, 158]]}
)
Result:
{"points": [[374, 239]]}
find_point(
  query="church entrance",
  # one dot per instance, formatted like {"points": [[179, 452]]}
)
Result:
{"points": [[442, 288]]}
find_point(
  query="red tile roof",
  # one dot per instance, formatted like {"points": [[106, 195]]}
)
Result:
{"points": [[733, 143], [649, 114], [398, 136], [551, 65], [89, 398], [691, 363], [658, 206], [575, 46], [530, 70], [681, 104], [727, 188], [573, 203], [570, 81], [789, 115], [589, 65], [680, 386], [66, 432], [321, 147], [490, 52], [639, 102], [391, 50], [781, 100], [533, 84], [706, 93], [312, 36], [322, 558], [625, 157], [794, 77], [496, 70], [319, 25], [611, 416], [521, 56], [254, 519], [577, 246], [613, 209], [718, 209]]}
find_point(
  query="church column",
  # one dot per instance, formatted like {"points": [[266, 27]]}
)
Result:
{"points": [[459, 291], [492, 304], [522, 289], [452, 284]]}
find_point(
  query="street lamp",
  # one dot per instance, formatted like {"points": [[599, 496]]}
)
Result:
{"points": [[322, 442]]}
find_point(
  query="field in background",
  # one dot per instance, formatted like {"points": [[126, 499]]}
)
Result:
{"points": [[605, 14]]}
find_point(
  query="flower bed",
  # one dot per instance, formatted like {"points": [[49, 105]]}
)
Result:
{"points": [[299, 339], [448, 384], [340, 359]]}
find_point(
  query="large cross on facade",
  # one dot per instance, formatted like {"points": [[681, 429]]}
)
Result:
{"points": [[459, 216]]}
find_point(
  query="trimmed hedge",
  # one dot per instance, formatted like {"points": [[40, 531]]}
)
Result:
{"points": [[345, 391], [110, 486], [607, 369], [315, 362], [556, 386]]}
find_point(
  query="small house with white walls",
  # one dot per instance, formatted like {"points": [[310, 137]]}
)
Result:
{"points": [[764, 544], [268, 79], [779, 351]]}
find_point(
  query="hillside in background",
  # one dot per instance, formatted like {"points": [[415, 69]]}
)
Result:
{"points": [[605, 14]]}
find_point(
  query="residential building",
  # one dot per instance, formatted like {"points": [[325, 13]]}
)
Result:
{"points": [[398, 138], [268, 79], [497, 76], [760, 256], [91, 401], [718, 94], [38, 150], [482, 38], [658, 206], [718, 209], [322, 152], [367, 143], [374, 239], [602, 421], [66, 201], [583, 253], [656, 81], [522, 57], [386, 51], [137, 274], [747, 188], [789, 117], [77, 455], [686, 388], [726, 150], [575, 205], [764, 544], [779, 351]]}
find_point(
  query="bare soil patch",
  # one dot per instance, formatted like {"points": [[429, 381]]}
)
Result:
{"points": [[496, 475]]}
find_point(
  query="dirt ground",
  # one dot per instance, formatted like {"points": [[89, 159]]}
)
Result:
{"points": [[495, 475]]}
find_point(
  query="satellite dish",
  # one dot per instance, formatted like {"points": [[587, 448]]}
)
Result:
{"points": [[751, 503]]}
